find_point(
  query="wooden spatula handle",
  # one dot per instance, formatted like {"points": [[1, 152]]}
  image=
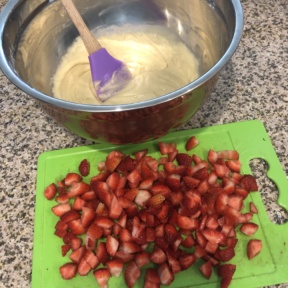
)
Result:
{"points": [[90, 42]]}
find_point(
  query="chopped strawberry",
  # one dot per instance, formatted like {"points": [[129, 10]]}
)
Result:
{"points": [[206, 269], [76, 227], [142, 197], [126, 165], [102, 275], [129, 247], [91, 259], [115, 267], [226, 254], [254, 247], [77, 254], [191, 143], [184, 159], [68, 270], [152, 277], [103, 222], [140, 154], [101, 253], [226, 270], [191, 182], [131, 193], [72, 178], [112, 245], [173, 181], [249, 229], [165, 274], [134, 178], [228, 154], [79, 203], [234, 165], [69, 216], [156, 200], [166, 148], [125, 257], [158, 256], [115, 208], [185, 222], [50, 191], [77, 189], [253, 208], [188, 242], [147, 183], [131, 274], [142, 258], [187, 260], [112, 163], [249, 183], [83, 268], [61, 209], [84, 167], [113, 180], [65, 249], [212, 156], [201, 174], [87, 217], [76, 243]]}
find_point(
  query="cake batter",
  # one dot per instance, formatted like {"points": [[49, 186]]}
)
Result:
{"points": [[158, 62]]}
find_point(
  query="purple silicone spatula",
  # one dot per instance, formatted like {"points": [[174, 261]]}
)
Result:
{"points": [[109, 75]]}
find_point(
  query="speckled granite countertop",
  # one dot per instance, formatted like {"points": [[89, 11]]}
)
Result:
{"points": [[254, 85]]}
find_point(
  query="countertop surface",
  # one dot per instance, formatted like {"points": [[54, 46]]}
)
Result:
{"points": [[254, 85]]}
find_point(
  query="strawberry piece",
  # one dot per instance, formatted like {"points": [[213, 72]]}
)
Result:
{"points": [[79, 203], [112, 163], [115, 208], [101, 253], [152, 276], [64, 249], [129, 247], [173, 181], [126, 165], [113, 180], [249, 229], [115, 267], [212, 156], [253, 209], [220, 170], [50, 191], [226, 270], [61, 209], [140, 154], [201, 174], [84, 168], [173, 263], [76, 227], [91, 259], [68, 270], [158, 256], [191, 143], [131, 274], [134, 178], [249, 183], [103, 222], [77, 254], [165, 274], [77, 189], [188, 242], [254, 247], [226, 254], [156, 200], [125, 257], [228, 154], [171, 234], [146, 184], [112, 245], [87, 217], [102, 275], [225, 282], [131, 194], [69, 216], [150, 234], [83, 268], [185, 222], [166, 148], [142, 258], [191, 182], [76, 243], [72, 178], [234, 165], [187, 260], [206, 269], [184, 159], [142, 197]]}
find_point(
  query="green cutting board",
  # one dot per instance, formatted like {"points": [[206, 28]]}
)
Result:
{"points": [[249, 138]]}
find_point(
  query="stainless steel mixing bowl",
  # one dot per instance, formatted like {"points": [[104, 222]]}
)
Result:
{"points": [[210, 28]]}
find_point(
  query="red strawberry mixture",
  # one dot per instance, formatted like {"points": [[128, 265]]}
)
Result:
{"points": [[141, 211]]}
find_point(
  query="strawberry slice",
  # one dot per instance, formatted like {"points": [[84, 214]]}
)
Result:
{"points": [[112, 163], [228, 154], [83, 268], [142, 258], [115, 208], [165, 274], [253, 208], [115, 267], [249, 229], [206, 269], [61, 209], [91, 259], [254, 247], [191, 143], [187, 260], [113, 180], [226, 254], [87, 216], [50, 191], [158, 256], [68, 270], [226, 270], [112, 245], [184, 159], [102, 275], [101, 253], [76, 227], [129, 247], [77, 255], [77, 189], [126, 165], [72, 178], [152, 278], [166, 148], [131, 274]]}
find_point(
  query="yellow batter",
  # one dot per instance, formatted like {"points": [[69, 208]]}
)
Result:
{"points": [[158, 63]]}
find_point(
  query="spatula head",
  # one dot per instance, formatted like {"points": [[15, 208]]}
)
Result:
{"points": [[109, 75]]}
